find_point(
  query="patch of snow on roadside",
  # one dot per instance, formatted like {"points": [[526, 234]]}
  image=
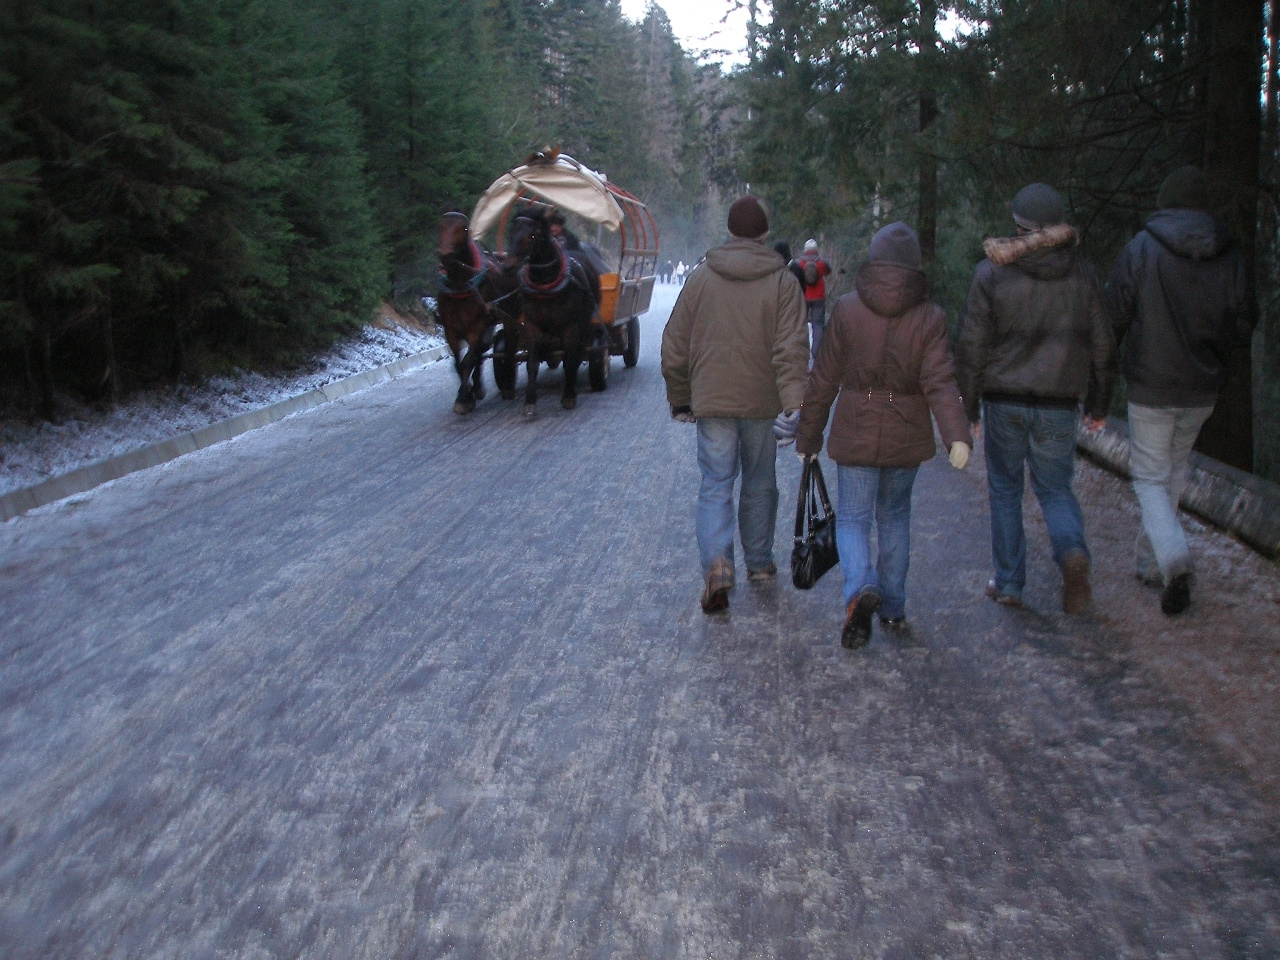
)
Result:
{"points": [[33, 450]]}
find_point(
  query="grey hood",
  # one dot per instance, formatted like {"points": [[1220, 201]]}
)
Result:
{"points": [[1190, 234], [744, 260]]}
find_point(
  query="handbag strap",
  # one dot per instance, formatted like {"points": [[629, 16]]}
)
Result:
{"points": [[802, 501], [812, 494], [821, 484]]}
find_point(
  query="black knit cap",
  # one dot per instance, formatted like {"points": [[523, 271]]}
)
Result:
{"points": [[896, 243], [1038, 205], [747, 218], [1186, 188]]}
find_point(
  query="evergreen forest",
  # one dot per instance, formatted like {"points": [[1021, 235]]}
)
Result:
{"points": [[189, 185], [192, 185]]}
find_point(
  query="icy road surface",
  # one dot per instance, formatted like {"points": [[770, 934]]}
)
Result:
{"points": [[378, 681]]}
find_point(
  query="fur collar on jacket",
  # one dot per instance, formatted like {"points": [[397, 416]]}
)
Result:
{"points": [[1003, 251]]}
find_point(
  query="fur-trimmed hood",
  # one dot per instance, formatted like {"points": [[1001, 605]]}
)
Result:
{"points": [[1045, 254]]}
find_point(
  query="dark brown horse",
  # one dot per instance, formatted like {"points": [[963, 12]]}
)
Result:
{"points": [[474, 295], [559, 293]]}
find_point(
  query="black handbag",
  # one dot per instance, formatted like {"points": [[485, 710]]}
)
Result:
{"points": [[814, 552]]}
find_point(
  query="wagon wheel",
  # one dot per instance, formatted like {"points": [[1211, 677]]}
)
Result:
{"points": [[504, 367], [631, 353], [598, 366]]}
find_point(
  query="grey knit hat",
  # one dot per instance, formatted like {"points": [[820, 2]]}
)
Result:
{"points": [[896, 243], [1185, 188], [1037, 206]]}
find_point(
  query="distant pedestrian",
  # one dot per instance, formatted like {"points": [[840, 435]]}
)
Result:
{"points": [[885, 355], [680, 270], [1034, 340], [1180, 301], [813, 271], [733, 357], [668, 269]]}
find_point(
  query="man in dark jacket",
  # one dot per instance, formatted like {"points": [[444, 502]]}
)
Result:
{"points": [[1034, 341], [1179, 297]]}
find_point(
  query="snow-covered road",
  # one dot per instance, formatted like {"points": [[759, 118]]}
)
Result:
{"points": [[381, 681]]}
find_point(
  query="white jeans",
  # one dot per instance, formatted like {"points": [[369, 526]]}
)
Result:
{"points": [[1160, 440]]}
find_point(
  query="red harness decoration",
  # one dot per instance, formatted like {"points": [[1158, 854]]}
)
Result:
{"points": [[552, 287]]}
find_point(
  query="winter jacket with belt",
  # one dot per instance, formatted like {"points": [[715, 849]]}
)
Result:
{"points": [[885, 354], [1034, 328], [736, 345], [1179, 292]]}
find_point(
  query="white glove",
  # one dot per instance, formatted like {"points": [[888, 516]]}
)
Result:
{"points": [[959, 454], [785, 426], [683, 415]]}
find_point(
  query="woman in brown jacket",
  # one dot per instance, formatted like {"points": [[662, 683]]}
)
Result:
{"points": [[885, 353]]}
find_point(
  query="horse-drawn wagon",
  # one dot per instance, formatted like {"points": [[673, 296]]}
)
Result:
{"points": [[623, 254]]}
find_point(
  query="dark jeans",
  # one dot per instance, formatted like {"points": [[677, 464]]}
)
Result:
{"points": [[1044, 439]]}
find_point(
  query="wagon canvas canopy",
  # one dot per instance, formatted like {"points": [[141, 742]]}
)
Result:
{"points": [[562, 182]]}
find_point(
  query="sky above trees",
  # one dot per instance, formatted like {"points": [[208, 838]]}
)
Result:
{"points": [[716, 28]]}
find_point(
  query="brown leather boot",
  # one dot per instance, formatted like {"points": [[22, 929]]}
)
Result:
{"points": [[715, 594], [857, 620]]}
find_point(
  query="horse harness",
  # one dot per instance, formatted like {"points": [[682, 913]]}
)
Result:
{"points": [[479, 269], [568, 271]]}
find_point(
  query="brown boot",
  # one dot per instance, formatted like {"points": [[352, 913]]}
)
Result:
{"points": [[857, 619], [1076, 592], [715, 595]]}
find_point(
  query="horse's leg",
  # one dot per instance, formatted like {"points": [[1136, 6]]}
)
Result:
{"points": [[573, 337], [531, 386], [463, 403], [484, 340], [467, 398]]}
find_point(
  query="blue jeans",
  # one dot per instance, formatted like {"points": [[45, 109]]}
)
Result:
{"points": [[1045, 439], [1160, 441], [886, 491], [817, 315], [725, 449]]}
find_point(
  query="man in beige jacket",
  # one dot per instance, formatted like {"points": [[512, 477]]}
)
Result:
{"points": [[735, 354]]}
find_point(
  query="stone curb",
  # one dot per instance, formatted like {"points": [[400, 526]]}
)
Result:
{"points": [[1243, 505], [17, 502]]}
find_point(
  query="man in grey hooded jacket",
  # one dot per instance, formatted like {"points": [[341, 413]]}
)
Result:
{"points": [[735, 354], [1180, 299]]}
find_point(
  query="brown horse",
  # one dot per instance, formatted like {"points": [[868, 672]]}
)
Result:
{"points": [[559, 294], [474, 295]]}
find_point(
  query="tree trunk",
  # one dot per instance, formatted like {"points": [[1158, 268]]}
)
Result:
{"points": [[177, 357], [33, 388], [109, 354], [1232, 150], [1268, 409], [46, 374], [927, 226]]}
